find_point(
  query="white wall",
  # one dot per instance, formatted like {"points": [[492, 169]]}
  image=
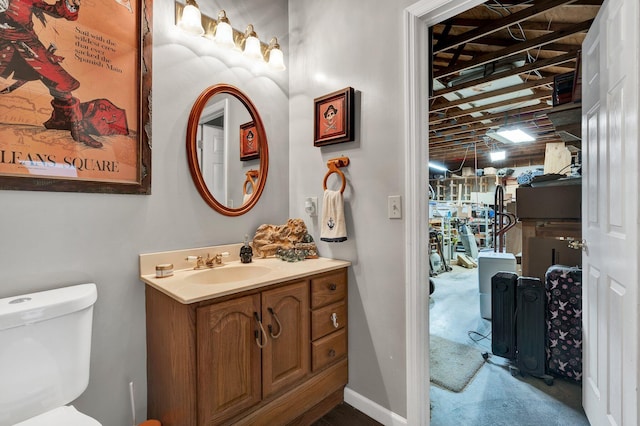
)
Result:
{"points": [[357, 43], [49, 240]]}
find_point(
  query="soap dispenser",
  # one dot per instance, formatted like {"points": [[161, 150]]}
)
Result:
{"points": [[246, 253]]}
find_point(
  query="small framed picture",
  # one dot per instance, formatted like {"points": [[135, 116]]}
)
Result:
{"points": [[334, 117], [249, 143]]}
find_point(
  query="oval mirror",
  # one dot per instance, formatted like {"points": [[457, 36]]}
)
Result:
{"points": [[227, 150]]}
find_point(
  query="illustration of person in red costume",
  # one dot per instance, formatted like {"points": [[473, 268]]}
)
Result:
{"points": [[25, 56]]}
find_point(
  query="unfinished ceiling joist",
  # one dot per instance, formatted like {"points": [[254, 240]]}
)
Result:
{"points": [[534, 66], [486, 95], [503, 60], [500, 24], [516, 48]]}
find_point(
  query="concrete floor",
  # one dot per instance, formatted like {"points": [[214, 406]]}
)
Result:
{"points": [[493, 397]]}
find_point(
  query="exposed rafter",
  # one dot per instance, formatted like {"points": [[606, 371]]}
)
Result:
{"points": [[534, 66], [500, 24], [486, 95], [478, 47], [505, 115], [517, 48]]}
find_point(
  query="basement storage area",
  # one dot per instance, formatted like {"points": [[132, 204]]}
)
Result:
{"points": [[505, 189]]}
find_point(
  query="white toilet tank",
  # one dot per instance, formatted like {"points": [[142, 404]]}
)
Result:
{"points": [[45, 346]]}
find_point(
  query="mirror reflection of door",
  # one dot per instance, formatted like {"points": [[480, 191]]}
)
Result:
{"points": [[219, 160], [219, 149], [212, 149]]}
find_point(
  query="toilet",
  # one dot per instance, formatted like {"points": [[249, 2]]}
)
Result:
{"points": [[45, 347]]}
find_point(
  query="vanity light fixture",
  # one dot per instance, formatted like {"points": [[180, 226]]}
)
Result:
{"points": [[191, 21], [224, 32]]}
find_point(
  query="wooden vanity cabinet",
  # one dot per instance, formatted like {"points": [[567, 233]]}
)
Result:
{"points": [[285, 356], [228, 359], [210, 362], [328, 319]]}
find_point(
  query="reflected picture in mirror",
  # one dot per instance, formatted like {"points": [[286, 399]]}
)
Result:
{"points": [[249, 142], [227, 150]]}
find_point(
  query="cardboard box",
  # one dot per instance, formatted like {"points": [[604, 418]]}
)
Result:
{"points": [[463, 212], [468, 171]]}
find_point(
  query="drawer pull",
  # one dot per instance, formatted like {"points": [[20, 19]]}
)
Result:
{"points": [[257, 334], [332, 353], [275, 317], [334, 320], [333, 287]]}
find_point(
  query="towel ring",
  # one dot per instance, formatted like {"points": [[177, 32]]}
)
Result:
{"points": [[251, 174], [334, 167], [244, 188], [329, 173]]}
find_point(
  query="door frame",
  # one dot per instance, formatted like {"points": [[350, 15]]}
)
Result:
{"points": [[417, 19]]}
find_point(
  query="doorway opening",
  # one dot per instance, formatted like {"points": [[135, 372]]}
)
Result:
{"points": [[479, 48]]}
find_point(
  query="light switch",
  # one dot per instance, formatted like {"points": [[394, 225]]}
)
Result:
{"points": [[394, 207]]}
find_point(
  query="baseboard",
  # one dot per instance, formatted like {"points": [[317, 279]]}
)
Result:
{"points": [[372, 409]]}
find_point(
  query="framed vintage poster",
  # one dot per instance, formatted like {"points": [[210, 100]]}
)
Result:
{"points": [[75, 84], [249, 142], [334, 117]]}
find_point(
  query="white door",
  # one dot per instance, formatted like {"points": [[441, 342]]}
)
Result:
{"points": [[610, 214], [212, 163]]}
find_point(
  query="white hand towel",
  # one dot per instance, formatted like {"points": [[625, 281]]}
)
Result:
{"points": [[333, 228]]}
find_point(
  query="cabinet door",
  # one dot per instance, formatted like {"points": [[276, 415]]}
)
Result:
{"points": [[228, 359], [285, 358]]}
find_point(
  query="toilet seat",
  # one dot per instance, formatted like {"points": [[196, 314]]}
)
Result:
{"points": [[66, 415]]}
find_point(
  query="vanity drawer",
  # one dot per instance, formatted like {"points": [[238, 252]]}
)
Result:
{"points": [[328, 349], [328, 289], [322, 322]]}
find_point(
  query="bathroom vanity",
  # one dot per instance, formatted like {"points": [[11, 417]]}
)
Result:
{"points": [[259, 343]]}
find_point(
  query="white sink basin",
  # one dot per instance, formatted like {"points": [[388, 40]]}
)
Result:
{"points": [[227, 274]]}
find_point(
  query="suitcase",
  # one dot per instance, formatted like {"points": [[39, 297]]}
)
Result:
{"points": [[564, 321], [503, 314], [531, 327], [489, 264]]}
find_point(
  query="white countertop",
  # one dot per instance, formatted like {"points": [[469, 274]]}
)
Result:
{"points": [[181, 289]]}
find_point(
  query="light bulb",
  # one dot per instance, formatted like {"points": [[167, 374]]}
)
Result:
{"points": [[252, 48], [497, 155], [252, 44], [224, 32], [191, 21], [276, 58]]}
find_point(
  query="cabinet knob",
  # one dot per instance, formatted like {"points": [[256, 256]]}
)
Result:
{"points": [[332, 353], [333, 287]]}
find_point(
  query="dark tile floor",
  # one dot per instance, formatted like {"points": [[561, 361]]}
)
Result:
{"points": [[345, 415]]}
